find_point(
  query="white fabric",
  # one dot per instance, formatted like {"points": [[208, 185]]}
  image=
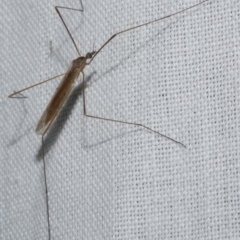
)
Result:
{"points": [[108, 180]]}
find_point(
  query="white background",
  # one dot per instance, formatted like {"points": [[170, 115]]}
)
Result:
{"points": [[112, 181]]}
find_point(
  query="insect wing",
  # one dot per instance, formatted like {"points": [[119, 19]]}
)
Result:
{"points": [[55, 105]]}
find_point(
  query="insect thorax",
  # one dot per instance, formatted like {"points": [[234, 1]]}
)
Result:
{"points": [[79, 64]]}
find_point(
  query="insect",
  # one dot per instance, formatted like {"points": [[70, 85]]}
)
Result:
{"points": [[67, 84]]}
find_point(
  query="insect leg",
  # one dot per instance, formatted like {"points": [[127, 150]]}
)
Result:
{"points": [[22, 96], [119, 121], [65, 25]]}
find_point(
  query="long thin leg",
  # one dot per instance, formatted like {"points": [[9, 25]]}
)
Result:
{"points": [[46, 191], [49, 79], [65, 25], [119, 121], [75, 45], [141, 25]]}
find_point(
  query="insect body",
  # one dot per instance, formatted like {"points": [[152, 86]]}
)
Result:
{"points": [[65, 87]]}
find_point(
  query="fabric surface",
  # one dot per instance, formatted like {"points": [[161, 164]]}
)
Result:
{"points": [[106, 180]]}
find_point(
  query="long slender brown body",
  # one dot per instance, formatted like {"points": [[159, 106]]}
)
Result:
{"points": [[60, 96]]}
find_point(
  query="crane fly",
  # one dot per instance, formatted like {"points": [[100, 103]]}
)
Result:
{"points": [[67, 84]]}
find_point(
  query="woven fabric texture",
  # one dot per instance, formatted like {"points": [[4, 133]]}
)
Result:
{"points": [[112, 181]]}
